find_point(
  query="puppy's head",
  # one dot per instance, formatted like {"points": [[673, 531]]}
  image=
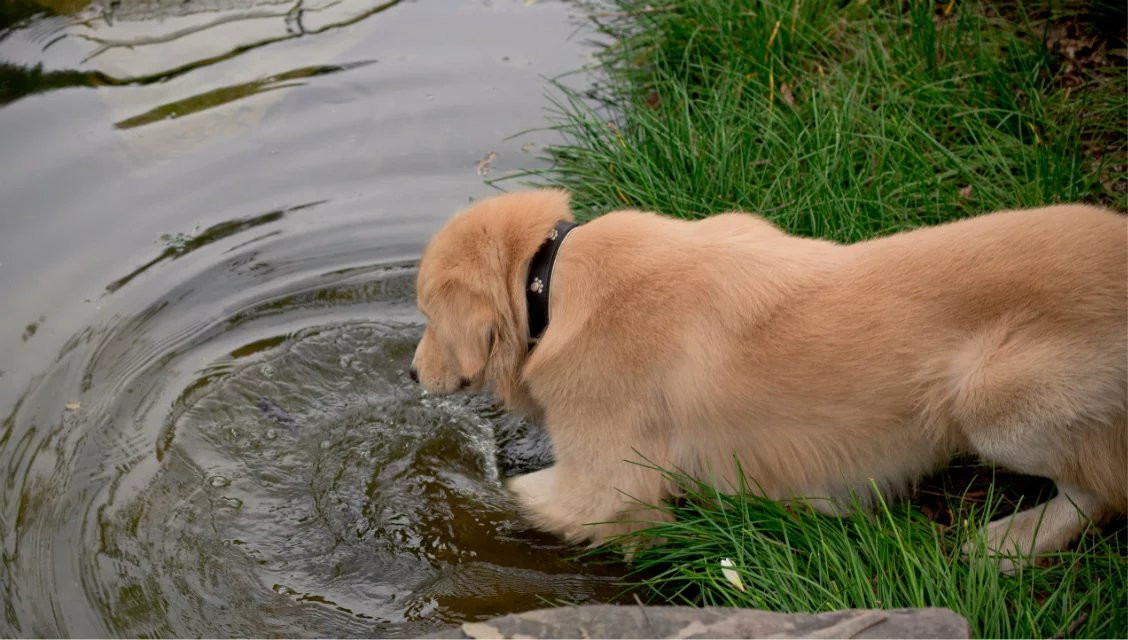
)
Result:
{"points": [[471, 289]]}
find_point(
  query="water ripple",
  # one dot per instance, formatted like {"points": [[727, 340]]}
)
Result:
{"points": [[236, 465]]}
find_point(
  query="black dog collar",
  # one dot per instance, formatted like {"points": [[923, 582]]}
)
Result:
{"points": [[540, 273]]}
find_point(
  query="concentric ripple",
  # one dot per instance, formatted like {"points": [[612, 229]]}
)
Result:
{"points": [[268, 470]]}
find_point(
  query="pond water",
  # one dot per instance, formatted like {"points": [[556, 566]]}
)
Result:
{"points": [[209, 216]]}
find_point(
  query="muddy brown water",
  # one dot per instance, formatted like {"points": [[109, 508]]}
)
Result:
{"points": [[210, 214]]}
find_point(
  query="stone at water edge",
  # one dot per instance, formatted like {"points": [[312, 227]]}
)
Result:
{"points": [[626, 621]]}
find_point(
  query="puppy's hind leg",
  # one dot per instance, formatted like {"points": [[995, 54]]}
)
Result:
{"points": [[1047, 527], [1046, 401]]}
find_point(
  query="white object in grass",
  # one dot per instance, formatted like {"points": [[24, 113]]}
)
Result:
{"points": [[730, 574]]}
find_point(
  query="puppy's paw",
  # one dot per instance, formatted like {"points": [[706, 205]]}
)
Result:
{"points": [[976, 550], [1002, 542], [575, 514], [538, 498], [532, 490]]}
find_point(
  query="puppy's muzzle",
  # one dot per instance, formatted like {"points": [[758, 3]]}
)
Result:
{"points": [[463, 383]]}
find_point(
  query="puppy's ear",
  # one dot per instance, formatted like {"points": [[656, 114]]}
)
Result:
{"points": [[474, 344]]}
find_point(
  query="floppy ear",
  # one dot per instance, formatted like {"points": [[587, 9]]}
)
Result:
{"points": [[475, 338]]}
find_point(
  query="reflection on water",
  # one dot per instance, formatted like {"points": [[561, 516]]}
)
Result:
{"points": [[223, 95], [188, 40], [181, 244], [210, 214]]}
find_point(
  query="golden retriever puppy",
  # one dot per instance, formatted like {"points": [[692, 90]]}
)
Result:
{"points": [[824, 369]]}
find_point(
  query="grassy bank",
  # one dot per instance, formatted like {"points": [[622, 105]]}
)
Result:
{"points": [[848, 122], [895, 556]]}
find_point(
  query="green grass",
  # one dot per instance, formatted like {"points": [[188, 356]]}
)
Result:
{"points": [[848, 120], [793, 560], [842, 123]]}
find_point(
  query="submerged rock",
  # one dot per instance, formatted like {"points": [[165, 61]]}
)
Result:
{"points": [[615, 621]]}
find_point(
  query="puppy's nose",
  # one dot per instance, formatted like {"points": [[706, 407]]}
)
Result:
{"points": [[414, 373]]}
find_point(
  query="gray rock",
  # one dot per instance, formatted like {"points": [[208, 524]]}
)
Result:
{"points": [[615, 621]]}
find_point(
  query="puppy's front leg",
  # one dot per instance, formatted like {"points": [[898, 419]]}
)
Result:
{"points": [[534, 491], [580, 505]]}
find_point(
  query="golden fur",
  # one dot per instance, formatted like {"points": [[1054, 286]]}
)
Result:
{"points": [[821, 367]]}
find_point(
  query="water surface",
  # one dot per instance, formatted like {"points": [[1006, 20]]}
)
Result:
{"points": [[209, 217]]}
